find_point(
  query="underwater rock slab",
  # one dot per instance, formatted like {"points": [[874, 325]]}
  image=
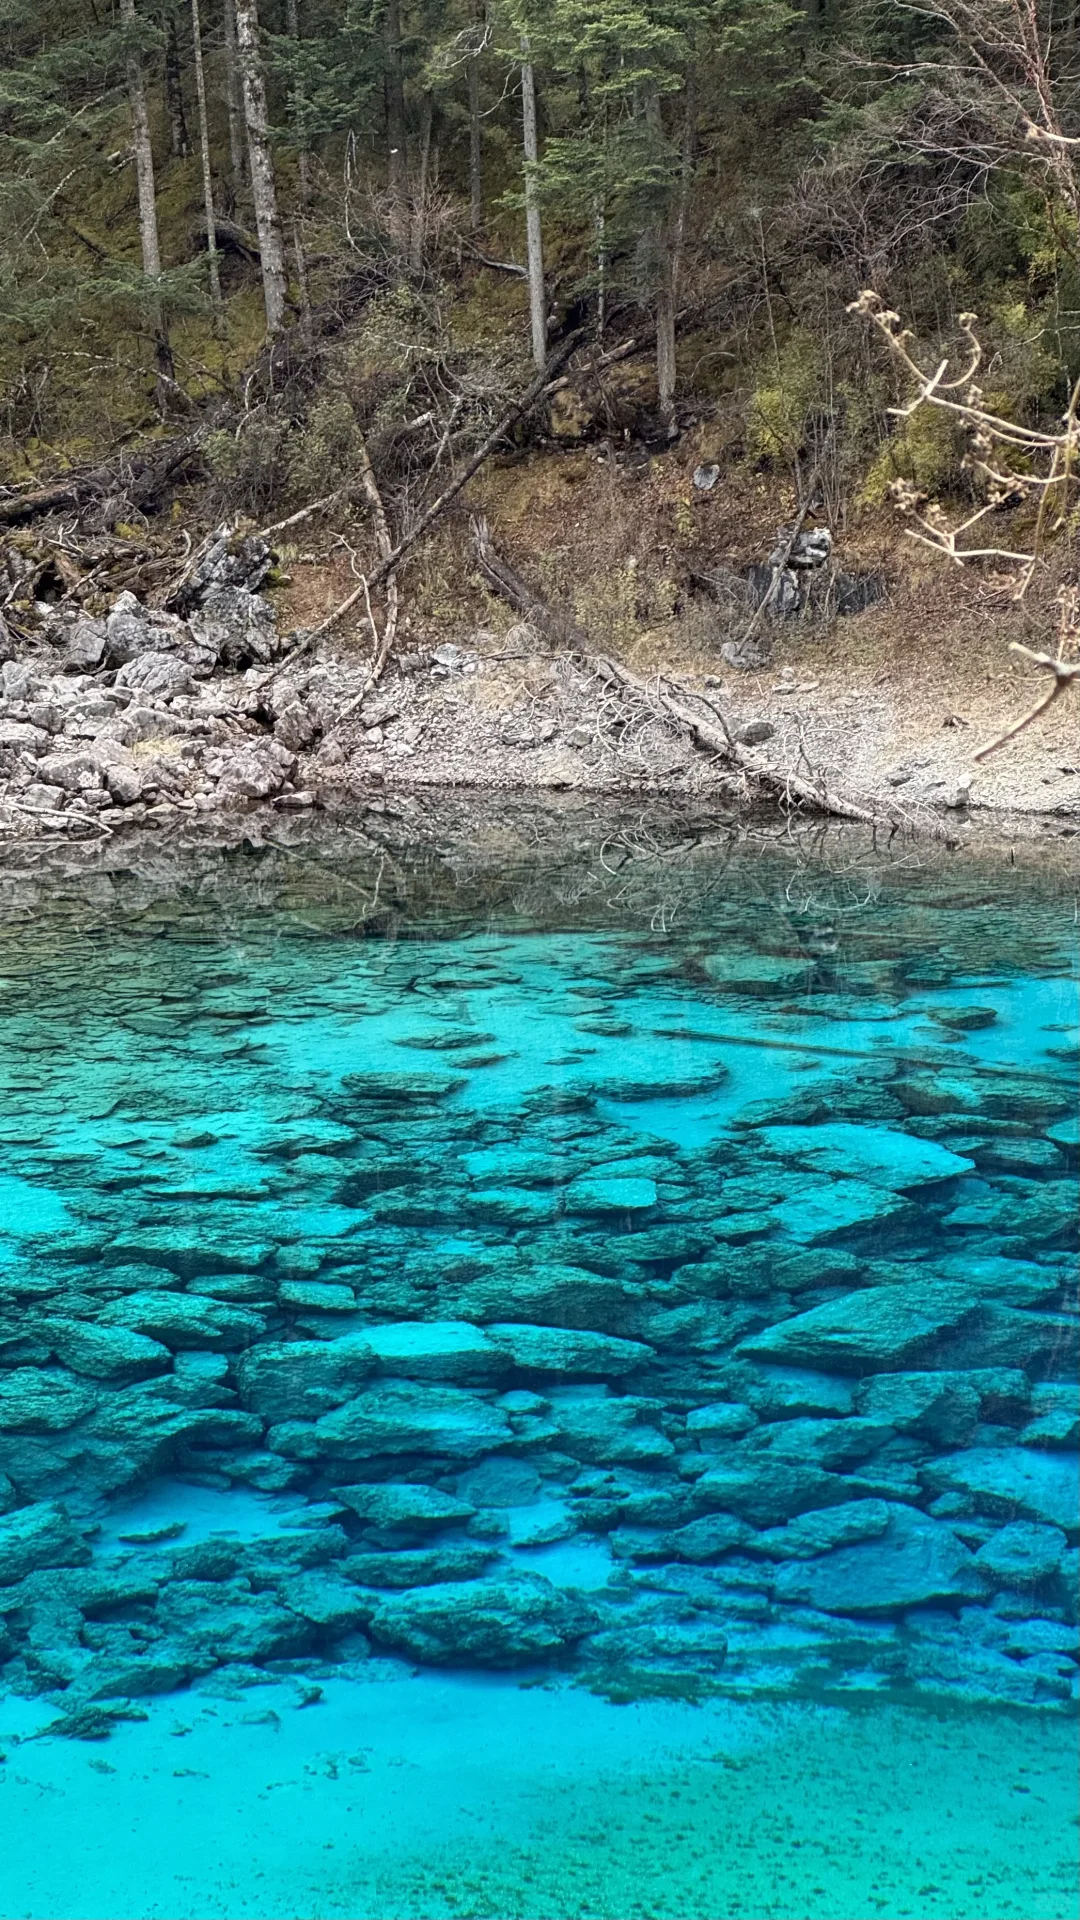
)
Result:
{"points": [[568, 1350], [447, 1350], [397, 1419], [1022, 1555], [182, 1320], [915, 1563], [302, 1379], [406, 1506], [598, 1194], [222, 1248], [42, 1400], [105, 1353], [496, 1623], [610, 1432], [768, 1489], [815, 1533], [1013, 1481], [944, 1406], [880, 1155], [225, 1619], [817, 1213], [758, 974], [38, 1536], [880, 1327], [424, 1567], [548, 1295]]}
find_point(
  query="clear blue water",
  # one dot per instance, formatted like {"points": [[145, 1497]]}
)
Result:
{"points": [[538, 1379]]}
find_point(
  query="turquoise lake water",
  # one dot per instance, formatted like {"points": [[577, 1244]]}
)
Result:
{"points": [[538, 1376]]}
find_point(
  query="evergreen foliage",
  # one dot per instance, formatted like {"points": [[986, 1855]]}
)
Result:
{"points": [[715, 170]]}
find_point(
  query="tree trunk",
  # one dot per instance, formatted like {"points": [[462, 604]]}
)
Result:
{"points": [[204, 156], [664, 271], [397, 156], [179, 144], [148, 226], [263, 186], [302, 282], [476, 163], [420, 204], [234, 98], [292, 22], [533, 232]]}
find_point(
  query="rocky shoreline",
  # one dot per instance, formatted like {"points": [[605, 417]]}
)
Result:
{"points": [[201, 711]]}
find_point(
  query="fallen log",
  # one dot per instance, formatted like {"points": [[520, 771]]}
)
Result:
{"points": [[390, 561], [788, 787], [718, 739], [134, 478], [554, 624]]}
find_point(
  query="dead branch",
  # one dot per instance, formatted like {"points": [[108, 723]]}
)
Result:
{"points": [[786, 552], [1064, 672], [1056, 452], [135, 478], [521, 406], [556, 626], [719, 740]]}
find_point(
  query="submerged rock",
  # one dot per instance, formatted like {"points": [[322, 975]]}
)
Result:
{"points": [[567, 1351], [1013, 1482], [405, 1507], [879, 1155], [943, 1406], [916, 1562], [301, 1379], [1022, 1555], [767, 1489], [185, 1320], [816, 1533], [880, 1327], [496, 1623], [396, 1419], [599, 1194], [38, 1536], [818, 1213]]}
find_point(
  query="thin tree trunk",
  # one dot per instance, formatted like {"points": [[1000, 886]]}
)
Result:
{"points": [[234, 98], [665, 295], [292, 22], [179, 143], [263, 186], [148, 226], [204, 156], [397, 156], [476, 159], [420, 206], [533, 233], [302, 282]]}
